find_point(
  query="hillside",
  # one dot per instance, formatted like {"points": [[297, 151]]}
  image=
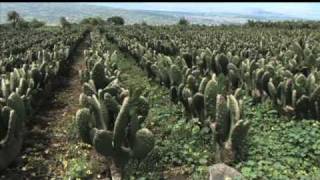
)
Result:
{"points": [[51, 12]]}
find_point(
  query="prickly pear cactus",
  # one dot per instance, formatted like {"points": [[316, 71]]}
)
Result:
{"points": [[11, 143], [109, 138], [98, 75], [210, 95], [229, 129], [175, 75]]}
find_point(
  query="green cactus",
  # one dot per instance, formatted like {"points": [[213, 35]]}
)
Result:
{"points": [[174, 94], [88, 89], [311, 83], [316, 110], [175, 75], [315, 95], [179, 92], [11, 144], [222, 120], [281, 93], [83, 119], [272, 91], [191, 83], [221, 63], [36, 75], [198, 106], [15, 102], [302, 106], [164, 75], [233, 79], [238, 134], [203, 84], [5, 88], [265, 80], [111, 103], [314, 102], [143, 143], [142, 107], [234, 107], [4, 121], [288, 92], [113, 88], [98, 75], [23, 86], [84, 100], [222, 81], [100, 111], [229, 129], [14, 81], [210, 95], [186, 94], [102, 142], [121, 122], [111, 142], [258, 79], [27, 104]]}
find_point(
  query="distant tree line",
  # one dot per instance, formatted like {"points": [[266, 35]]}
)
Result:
{"points": [[19, 23], [116, 20], [284, 24], [183, 22]]}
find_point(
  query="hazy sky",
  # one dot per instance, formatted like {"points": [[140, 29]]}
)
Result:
{"points": [[302, 10]]}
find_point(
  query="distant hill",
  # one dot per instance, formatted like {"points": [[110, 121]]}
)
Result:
{"points": [[51, 12]]}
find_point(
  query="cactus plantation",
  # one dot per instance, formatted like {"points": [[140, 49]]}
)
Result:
{"points": [[107, 101]]}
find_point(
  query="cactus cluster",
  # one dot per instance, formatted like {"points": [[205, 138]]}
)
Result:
{"points": [[229, 129], [111, 117], [12, 121], [114, 129], [238, 59], [200, 83], [27, 73]]}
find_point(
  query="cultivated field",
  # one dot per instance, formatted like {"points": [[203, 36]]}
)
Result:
{"points": [[97, 100]]}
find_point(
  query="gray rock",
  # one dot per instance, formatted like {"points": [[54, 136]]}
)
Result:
{"points": [[222, 171]]}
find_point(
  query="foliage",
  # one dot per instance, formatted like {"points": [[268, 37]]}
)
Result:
{"points": [[22, 24], [284, 24], [94, 21], [116, 20], [64, 23], [36, 23], [13, 17], [279, 147], [183, 22], [143, 23]]}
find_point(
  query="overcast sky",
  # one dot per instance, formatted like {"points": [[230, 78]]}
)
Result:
{"points": [[301, 10]]}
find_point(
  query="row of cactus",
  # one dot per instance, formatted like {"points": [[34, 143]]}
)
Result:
{"points": [[249, 62], [19, 41], [54, 43], [110, 118], [203, 97], [12, 120], [24, 79]]}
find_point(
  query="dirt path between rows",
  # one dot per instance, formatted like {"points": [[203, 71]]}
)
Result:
{"points": [[47, 149]]}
